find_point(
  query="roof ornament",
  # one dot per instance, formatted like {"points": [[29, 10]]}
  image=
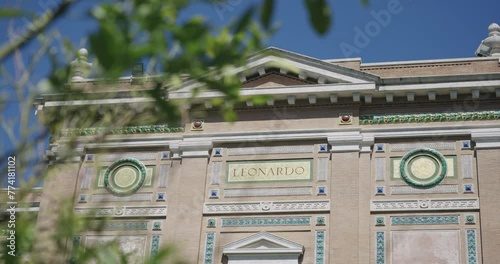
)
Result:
{"points": [[80, 67], [490, 46]]}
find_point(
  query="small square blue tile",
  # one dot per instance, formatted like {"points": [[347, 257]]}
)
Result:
{"points": [[321, 190], [218, 152], [160, 196], [467, 188], [466, 144], [380, 147], [90, 157], [165, 155], [83, 198], [323, 148], [214, 193], [380, 190]]}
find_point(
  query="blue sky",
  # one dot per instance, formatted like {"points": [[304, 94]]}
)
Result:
{"points": [[393, 30]]}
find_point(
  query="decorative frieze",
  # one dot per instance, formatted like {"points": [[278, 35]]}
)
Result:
{"points": [[91, 131], [258, 192], [216, 172], [322, 169], [121, 226], [272, 221], [428, 117], [467, 171], [270, 150], [209, 248], [404, 147], [471, 246], [266, 207], [128, 211], [134, 155], [425, 220], [380, 247], [155, 245], [379, 169], [86, 174], [408, 190], [320, 247], [430, 204], [163, 176], [137, 197]]}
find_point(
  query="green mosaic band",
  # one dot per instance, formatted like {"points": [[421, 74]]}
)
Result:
{"points": [[428, 117], [112, 183], [151, 129], [423, 153]]}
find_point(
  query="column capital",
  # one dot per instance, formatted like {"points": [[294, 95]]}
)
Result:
{"points": [[486, 138], [348, 141], [198, 148]]}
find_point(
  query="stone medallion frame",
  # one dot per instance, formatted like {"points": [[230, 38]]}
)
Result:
{"points": [[110, 176], [434, 157]]}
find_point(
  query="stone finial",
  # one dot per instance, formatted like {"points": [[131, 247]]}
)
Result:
{"points": [[80, 67], [490, 46]]}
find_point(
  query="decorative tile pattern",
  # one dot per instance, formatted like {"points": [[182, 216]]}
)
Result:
{"points": [[155, 244], [423, 167], [320, 247], [156, 226], [209, 248], [217, 152], [160, 197], [408, 190], [428, 117], [468, 188], [136, 197], [320, 221], [323, 148], [380, 221], [133, 155], [165, 155], [83, 198], [425, 220], [466, 144], [216, 172], [128, 211], [467, 170], [121, 226], [259, 192], [213, 193], [432, 204], [379, 148], [271, 221], [322, 169], [89, 158], [122, 130], [163, 176], [266, 207], [379, 169], [471, 246], [86, 175], [379, 190], [211, 223], [404, 147], [270, 150], [380, 247], [321, 190]]}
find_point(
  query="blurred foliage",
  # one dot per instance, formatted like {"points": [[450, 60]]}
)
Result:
{"points": [[128, 32]]}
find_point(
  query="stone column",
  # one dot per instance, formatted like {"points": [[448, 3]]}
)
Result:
{"points": [[488, 169], [365, 191], [186, 194], [344, 187]]}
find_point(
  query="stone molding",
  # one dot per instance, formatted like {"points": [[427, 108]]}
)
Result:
{"points": [[404, 147], [258, 192], [486, 139], [126, 211], [266, 207], [270, 150], [406, 189], [137, 197], [424, 205]]}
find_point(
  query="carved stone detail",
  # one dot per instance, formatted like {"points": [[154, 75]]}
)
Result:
{"points": [[265, 207], [322, 169], [270, 150], [403, 147], [134, 155], [216, 172], [163, 176], [379, 169], [86, 174], [137, 197], [430, 204], [467, 171], [128, 211], [406, 189], [256, 192]]}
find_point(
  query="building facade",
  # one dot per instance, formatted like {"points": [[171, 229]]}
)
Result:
{"points": [[347, 162]]}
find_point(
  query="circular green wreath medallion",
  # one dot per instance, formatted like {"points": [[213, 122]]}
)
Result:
{"points": [[125, 176], [423, 167]]}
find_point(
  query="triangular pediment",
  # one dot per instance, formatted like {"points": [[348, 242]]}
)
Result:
{"points": [[273, 67], [263, 243]]}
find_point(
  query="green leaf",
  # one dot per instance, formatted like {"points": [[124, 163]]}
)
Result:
{"points": [[319, 15], [244, 21], [266, 13], [7, 12]]}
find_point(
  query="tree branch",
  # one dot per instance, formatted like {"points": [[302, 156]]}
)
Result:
{"points": [[36, 27]]}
